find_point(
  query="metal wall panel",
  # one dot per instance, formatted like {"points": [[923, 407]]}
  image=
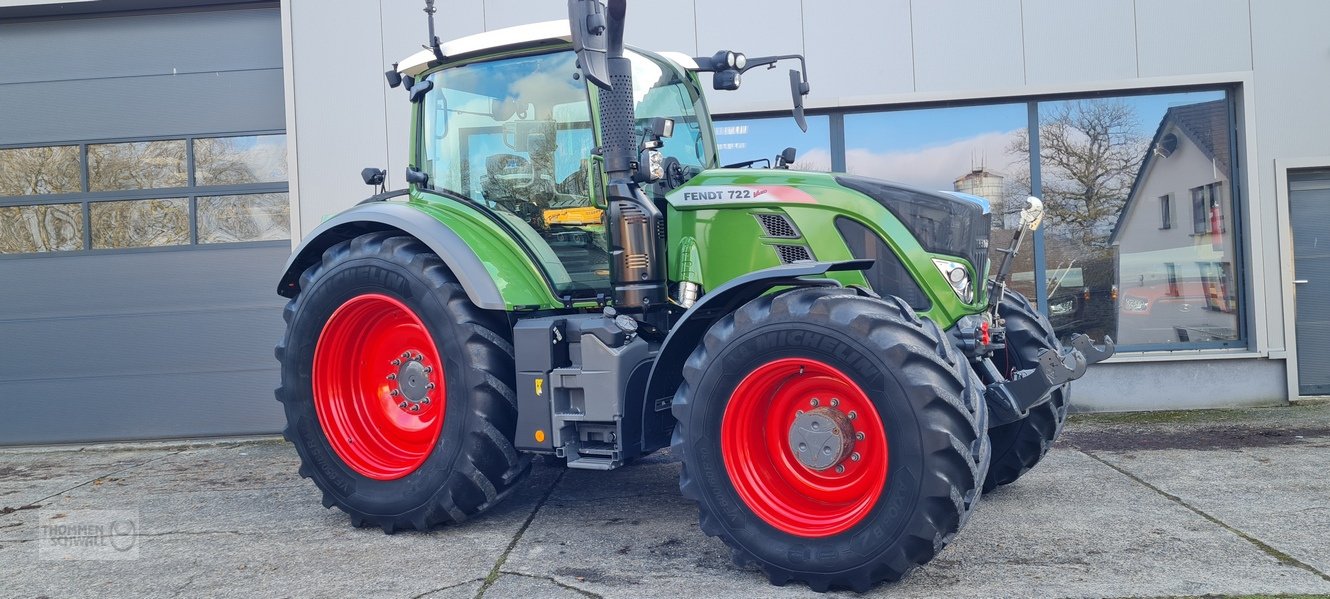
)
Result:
{"points": [[201, 103], [140, 344], [1185, 37], [968, 45], [130, 46], [864, 57], [1078, 41]]}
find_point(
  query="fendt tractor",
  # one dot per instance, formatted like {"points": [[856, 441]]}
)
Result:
{"points": [[570, 273]]}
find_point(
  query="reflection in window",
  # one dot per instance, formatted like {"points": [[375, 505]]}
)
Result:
{"points": [[42, 228], [253, 217], [137, 165], [1130, 273], [239, 160], [742, 140], [38, 171], [976, 150], [140, 223]]}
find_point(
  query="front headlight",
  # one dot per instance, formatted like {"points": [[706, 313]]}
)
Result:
{"points": [[958, 277]]}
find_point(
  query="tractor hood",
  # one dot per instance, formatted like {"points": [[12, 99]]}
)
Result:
{"points": [[956, 224]]}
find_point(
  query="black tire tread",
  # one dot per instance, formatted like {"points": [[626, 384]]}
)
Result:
{"points": [[928, 362], [488, 466], [1019, 446]]}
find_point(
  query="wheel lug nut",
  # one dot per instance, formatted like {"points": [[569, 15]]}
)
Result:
{"points": [[854, 457], [396, 362], [859, 436], [424, 399], [798, 412], [429, 369], [402, 405], [429, 387], [392, 377], [394, 393], [840, 469], [814, 402], [406, 355], [415, 407], [852, 415], [835, 402]]}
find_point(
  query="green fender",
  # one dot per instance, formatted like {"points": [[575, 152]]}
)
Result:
{"points": [[496, 271]]}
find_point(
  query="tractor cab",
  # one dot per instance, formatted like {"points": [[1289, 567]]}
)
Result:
{"points": [[516, 132]]}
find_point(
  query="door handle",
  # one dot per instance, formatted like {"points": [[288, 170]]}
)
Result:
{"points": [[1300, 282]]}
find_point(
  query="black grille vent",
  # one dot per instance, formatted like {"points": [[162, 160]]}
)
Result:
{"points": [[792, 253], [777, 225]]}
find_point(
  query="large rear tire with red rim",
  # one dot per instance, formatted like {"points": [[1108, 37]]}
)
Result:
{"points": [[830, 438], [398, 391]]}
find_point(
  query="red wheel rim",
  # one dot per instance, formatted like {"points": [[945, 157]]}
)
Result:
{"points": [[378, 386], [780, 488]]}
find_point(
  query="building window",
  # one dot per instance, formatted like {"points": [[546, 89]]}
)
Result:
{"points": [[1172, 273], [1207, 213], [129, 194], [1166, 212], [762, 139]]}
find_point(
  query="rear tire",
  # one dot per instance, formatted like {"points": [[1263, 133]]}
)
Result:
{"points": [[1019, 446], [919, 407], [382, 304]]}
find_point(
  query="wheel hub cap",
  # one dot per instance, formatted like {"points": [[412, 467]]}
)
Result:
{"points": [[821, 438], [413, 381]]}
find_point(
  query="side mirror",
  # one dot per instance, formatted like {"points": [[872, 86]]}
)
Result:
{"points": [[418, 90], [786, 158], [589, 26], [798, 89]]}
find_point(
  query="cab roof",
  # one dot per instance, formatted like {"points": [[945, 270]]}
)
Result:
{"points": [[551, 32], [521, 36]]}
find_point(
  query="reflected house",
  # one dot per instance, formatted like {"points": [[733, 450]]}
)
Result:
{"points": [[1173, 236]]}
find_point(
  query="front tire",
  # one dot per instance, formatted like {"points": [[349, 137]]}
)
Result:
{"points": [[1019, 446], [398, 391], [892, 500]]}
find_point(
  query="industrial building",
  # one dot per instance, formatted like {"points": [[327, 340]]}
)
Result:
{"points": [[158, 159]]}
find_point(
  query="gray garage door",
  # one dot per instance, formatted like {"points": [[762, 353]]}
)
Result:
{"points": [[143, 219]]}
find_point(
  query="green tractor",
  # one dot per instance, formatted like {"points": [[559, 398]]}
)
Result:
{"points": [[571, 273]]}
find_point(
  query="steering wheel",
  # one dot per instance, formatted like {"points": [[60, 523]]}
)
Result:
{"points": [[511, 171]]}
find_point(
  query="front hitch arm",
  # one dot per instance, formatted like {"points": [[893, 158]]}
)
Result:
{"points": [[1093, 354], [1010, 400]]}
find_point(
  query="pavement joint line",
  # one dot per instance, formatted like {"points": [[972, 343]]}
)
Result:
{"points": [[551, 579], [1266, 548], [442, 589], [503, 557], [36, 503]]}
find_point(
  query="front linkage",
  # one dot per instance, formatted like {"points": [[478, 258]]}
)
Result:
{"points": [[1010, 396]]}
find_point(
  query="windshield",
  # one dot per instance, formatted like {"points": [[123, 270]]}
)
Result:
{"points": [[515, 135]]}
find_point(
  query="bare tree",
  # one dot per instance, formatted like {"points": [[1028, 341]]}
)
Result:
{"points": [[1089, 154]]}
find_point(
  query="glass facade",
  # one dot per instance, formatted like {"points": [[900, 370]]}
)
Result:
{"points": [[1139, 236], [742, 140], [143, 194]]}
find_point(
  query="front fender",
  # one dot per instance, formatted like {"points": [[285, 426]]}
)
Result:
{"points": [[469, 269], [688, 331]]}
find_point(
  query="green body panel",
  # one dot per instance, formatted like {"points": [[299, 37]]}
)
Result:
{"points": [[520, 280], [731, 241]]}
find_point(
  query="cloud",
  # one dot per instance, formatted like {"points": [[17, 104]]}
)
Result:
{"points": [[937, 167]]}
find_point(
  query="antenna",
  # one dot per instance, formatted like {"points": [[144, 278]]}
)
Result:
{"points": [[433, 39]]}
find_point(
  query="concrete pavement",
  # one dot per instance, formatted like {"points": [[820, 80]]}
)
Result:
{"points": [[1200, 503]]}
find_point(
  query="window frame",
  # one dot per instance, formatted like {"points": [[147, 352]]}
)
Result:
{"points": [[1166, 211], [191, 191], [1234, 221]]}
